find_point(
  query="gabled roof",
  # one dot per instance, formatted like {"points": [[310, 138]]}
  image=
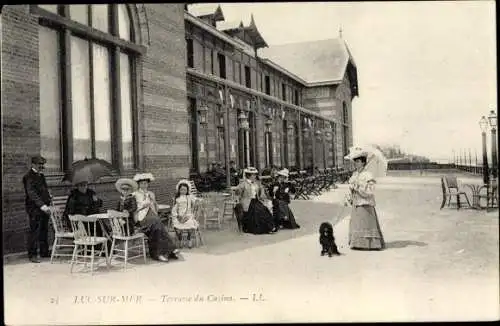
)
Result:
{"points": [[229, 25], [315, 61], [257, 38], [206, 9]]}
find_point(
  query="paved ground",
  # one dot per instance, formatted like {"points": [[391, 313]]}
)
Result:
{"points": [[439, 265]]}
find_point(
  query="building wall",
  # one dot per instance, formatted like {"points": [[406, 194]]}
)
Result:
{"points": [[162, 113], [328, 101]]}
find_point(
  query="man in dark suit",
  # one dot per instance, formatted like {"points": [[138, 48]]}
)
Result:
{"points": [[37, 206]]}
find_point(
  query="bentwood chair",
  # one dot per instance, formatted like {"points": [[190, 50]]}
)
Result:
{"points": [[123, 242], [83, 241]]}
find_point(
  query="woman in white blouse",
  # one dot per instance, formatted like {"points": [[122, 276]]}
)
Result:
{"points": [[161, 246], [256, 217], [364, 227], [183, 211]]}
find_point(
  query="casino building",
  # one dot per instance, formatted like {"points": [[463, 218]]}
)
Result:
{"points": [[162, 88]]}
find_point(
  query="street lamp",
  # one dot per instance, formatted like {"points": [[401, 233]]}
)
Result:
{"points": [[269, 124], [244, 124], [483, 124], [493, 124], [202, 112]]}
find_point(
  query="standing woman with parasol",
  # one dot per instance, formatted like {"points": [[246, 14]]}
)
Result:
{"points": [[161, 246], [364, 226]]}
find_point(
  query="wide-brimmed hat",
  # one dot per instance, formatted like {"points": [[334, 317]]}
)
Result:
{"points": [[126, 181], [356, 152], [143, 176], [183, 182], [251, 170], [284, 172]]}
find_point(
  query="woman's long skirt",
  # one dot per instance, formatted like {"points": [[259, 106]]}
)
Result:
{"points": [[159, 241], [258, 219], [283, 215], [364, 229]]}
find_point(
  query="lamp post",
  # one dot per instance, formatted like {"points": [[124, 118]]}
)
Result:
{"points": [[493, 124], [202, 113], [269, 153], [483, 123], [244, 125], [475, 166]]}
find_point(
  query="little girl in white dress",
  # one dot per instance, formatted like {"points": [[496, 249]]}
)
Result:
{"points": [[183, 212]]}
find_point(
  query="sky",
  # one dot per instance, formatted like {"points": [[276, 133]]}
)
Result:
{"points": [[426, 70]]}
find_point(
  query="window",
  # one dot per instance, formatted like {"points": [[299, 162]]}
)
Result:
{"points": [[91, 94], [267, 85], [298, 163], [190, 53], [193, 127], [50, 98], [248, 81], [334, 143], [284, 158], [296, 97], [283, 91], [212, 70], [222, 65], [345, 121]]}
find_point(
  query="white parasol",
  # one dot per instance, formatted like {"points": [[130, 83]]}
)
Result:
{"points": [[376, 163]]}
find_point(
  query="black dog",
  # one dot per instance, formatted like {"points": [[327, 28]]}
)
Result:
{"points": [[327, 240]]}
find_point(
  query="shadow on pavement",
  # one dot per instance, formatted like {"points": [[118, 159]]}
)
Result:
{"points": [[404, 244]]}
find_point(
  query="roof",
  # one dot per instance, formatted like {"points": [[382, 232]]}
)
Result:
{"points": [[313, 61], [229, 25], [206, 9]]}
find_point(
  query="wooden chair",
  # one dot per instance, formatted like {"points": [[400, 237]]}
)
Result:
{"points": [[450, 188], [212, 213], [121, 236], [63, 235], [81, 254], [194, 191]]}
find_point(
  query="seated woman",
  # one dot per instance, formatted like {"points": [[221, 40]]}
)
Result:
{"points": [[183, 212], [280, 192], [83, 201], [161, 246], [128, 203], [254, 217]]}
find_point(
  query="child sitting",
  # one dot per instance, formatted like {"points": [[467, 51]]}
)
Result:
{"points": [[183, 212]]}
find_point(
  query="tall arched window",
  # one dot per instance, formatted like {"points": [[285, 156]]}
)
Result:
{"points": [[345, 129], [88, 103]]}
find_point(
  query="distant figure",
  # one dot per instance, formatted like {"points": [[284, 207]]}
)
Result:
{"points": [[37, 204]]}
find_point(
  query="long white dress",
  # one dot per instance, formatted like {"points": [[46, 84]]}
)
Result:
{"points": [[182, 213]]}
